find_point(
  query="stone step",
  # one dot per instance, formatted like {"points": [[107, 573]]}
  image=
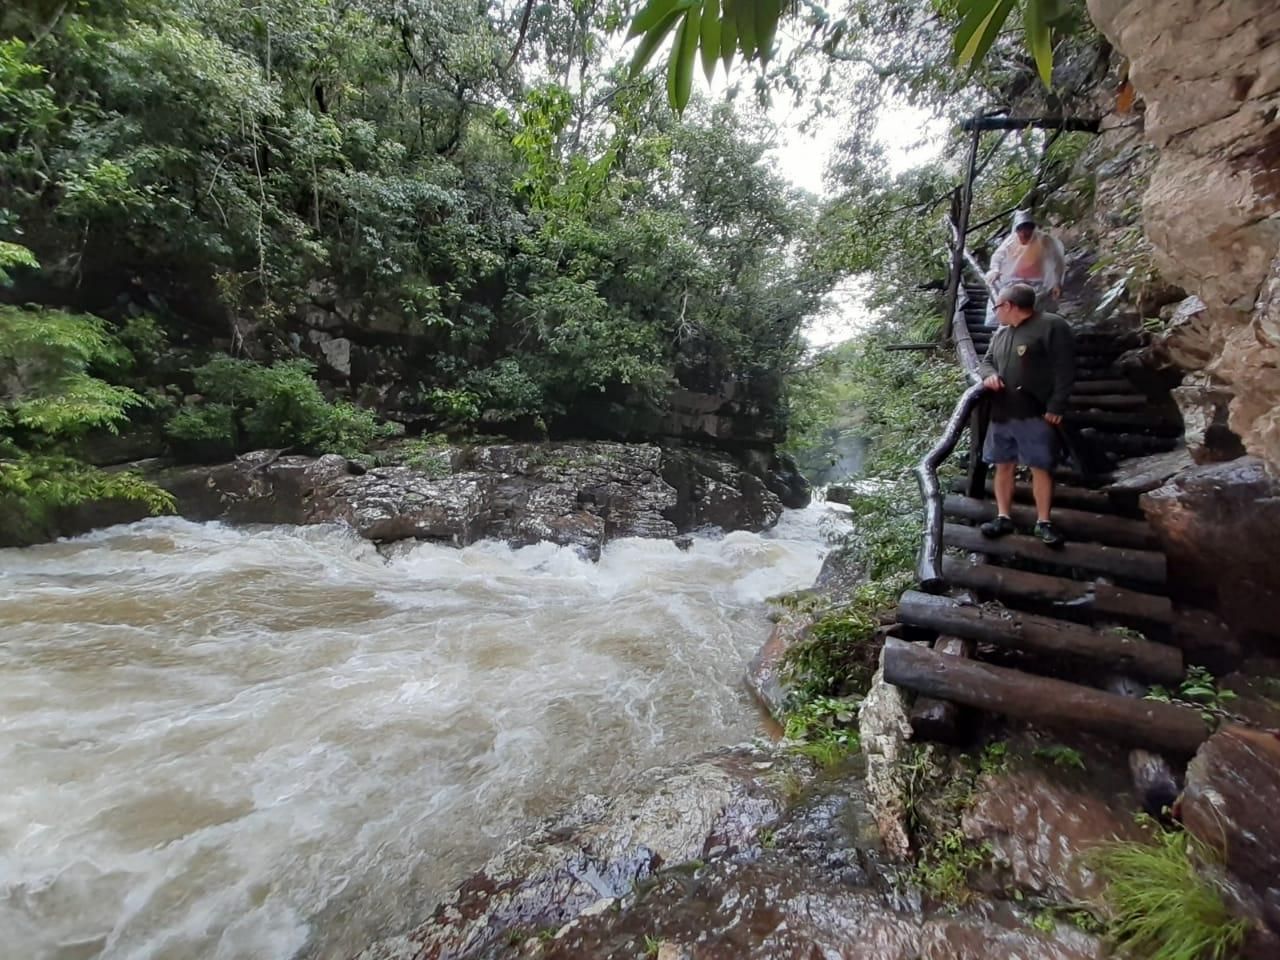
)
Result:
{"points": [[1145, 566]]}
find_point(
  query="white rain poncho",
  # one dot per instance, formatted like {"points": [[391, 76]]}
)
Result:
{"points": [[1039, 263]]}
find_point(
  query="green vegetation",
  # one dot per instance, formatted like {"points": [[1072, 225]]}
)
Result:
{"points": [[748, 28], [1057, 755], [1161, 906], [52, 396], [1200, 689], [946, 864], [249, 406]]}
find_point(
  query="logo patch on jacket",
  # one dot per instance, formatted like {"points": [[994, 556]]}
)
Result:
{"points": [[1022, 349]]}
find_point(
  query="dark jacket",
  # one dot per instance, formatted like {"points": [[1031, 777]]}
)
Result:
{"points": [[1037, 362]]}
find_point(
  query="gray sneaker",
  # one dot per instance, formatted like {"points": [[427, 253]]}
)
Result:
{"points": [[1046, 534], [999, 527]]}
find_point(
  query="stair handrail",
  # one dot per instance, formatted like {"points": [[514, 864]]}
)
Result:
{"points": [[929, 561]]}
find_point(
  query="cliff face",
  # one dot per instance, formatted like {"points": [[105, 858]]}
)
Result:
{"points": [[1209, 73]]}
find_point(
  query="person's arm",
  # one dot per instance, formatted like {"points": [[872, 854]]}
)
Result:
{"points": [[1062, 357], [998, 261], [1058, 264]]}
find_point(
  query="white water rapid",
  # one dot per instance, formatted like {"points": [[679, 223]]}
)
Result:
{"points": [[271, 743]]}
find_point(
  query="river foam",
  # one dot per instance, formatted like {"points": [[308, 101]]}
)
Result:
{"points": [[223, 742]]}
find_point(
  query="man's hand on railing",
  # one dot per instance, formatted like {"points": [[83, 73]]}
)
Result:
{"points": [[1053, 419], [993, 382]]}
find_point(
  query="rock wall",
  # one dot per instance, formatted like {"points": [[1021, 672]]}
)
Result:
{"points": [[1209, 72]]}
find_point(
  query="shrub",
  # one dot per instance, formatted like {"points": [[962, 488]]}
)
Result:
{"points": [[249, 405]]}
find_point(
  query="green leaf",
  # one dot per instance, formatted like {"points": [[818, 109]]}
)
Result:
{"points": [[728, 32], [710, 37], [979, 30], [745, 17], [680, 67], [768, 12], [1039, 38], [644, 52], [654, 13]]}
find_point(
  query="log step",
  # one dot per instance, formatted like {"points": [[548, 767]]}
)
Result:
{"points": [[1075, 524], [1053, 703], [1072, 599], [1114, 421], [1109, 401], [1106, 386], [1079, 498], [1129, 444], [1146, 566], [1043, 635]]}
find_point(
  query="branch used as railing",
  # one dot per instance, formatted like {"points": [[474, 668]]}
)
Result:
{"points": [[929, 564]]}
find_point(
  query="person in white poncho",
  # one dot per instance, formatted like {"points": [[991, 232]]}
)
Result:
{"points": [[1028, 255]]}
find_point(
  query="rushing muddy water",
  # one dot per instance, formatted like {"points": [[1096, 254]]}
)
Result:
{"points": [[230, 743]]}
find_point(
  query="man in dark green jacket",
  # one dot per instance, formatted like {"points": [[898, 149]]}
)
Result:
{"points": [[1029, 369]]}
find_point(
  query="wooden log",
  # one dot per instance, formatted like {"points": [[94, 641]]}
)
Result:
{"points": [[1075, 524], [1146, 566], [941, 720], [1052, 703], [1108, 401], [1074, 599], [1043, 635], [1069, 495], [1106, 387], [929, 562], [1129, 444], [1121, 421]]}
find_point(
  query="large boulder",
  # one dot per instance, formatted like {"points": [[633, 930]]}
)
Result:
{"points": [[1230, 803], [1220, 526], [1209, 72]]}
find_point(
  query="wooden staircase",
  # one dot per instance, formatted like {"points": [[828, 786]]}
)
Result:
{"points": [[1066, 638]]}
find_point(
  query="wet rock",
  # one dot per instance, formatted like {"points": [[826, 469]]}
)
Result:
{"points": [[601, 849], [1205, 409], [765, 678], [1230, 803], [973, 939], [1220, 526], [1041, 828], [885, 729], [713, 490]]}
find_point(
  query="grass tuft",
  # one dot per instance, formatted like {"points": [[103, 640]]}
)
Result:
{"points": [[1160, 907]]}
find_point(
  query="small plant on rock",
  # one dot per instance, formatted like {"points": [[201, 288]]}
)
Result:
{"points": [[1161, 906]]}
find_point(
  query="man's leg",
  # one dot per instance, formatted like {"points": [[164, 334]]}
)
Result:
{"points": [[1042, 490], [1005, 478]]}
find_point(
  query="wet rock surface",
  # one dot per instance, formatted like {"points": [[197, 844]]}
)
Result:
{"points": [[1220, 526], [1041, 827], [574, 494], [1230, 803], [741, 854]]}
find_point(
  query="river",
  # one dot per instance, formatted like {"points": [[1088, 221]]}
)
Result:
{"points": [[221, 742]]}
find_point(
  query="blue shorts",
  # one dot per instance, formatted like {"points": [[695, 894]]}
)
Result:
{"points": [[1030, 442]]}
